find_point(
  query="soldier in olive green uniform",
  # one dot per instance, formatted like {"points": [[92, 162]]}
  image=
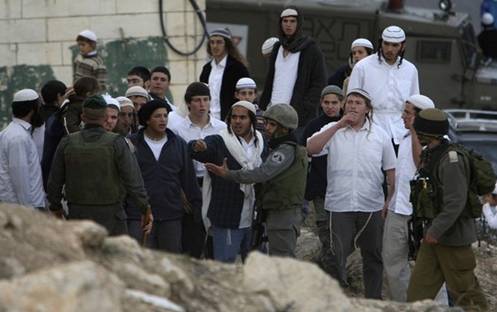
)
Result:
{"points": [[445, 254], [283, 175], [96, 167]]}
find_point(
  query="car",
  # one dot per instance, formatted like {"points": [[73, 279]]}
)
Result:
{"points": [[476, 130]]}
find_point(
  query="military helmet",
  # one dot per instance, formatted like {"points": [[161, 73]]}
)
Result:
{"points": [[431, 122], [283, 114]]}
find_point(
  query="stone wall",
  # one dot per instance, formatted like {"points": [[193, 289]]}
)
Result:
{"points": [[37, 41]]}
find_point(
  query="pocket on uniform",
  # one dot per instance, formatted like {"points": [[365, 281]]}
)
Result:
{"points": [[461, 259]]}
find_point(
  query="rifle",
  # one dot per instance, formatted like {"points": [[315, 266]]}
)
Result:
{"points": [[259, 235]]}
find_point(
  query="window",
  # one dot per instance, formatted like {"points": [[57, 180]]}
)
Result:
{"points": [[438, 52]]}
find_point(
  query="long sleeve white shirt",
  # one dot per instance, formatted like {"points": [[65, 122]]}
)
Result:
{"points": [[405, 170], [389, 87], [355, 162], [20, 170]]}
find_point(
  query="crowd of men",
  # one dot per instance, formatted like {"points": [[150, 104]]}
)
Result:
{"points": [[202, 178]]}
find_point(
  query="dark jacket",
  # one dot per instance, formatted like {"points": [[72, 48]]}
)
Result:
{"points": [[166, 178], [317, 175], [233, 71], [339, 75], [72, 116], [452, 227], [226, 203], [311, 79], [487, 40]]}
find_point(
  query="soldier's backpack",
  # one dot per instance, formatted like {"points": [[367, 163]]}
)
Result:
{"points": [[482, 179]]}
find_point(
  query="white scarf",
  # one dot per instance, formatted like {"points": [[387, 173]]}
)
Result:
{"points": [[236, 150]]}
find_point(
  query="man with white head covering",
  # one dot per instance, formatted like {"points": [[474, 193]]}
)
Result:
{"points": [[297, 72], [127, 116], [359, 49], [395, 236], [359, 151], [20, 170], [389, 79], [228, 206]]}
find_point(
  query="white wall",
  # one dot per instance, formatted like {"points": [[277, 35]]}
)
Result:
{"points": [[39, 32]]}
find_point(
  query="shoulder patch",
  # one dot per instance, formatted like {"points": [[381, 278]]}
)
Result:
{"points": [[453, 158], [278, 157]]}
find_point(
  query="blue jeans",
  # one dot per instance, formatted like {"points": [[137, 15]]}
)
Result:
{"points": [[228, 243]]}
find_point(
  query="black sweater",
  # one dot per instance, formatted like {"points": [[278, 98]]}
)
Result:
{"points": [[166, 178], [318, 170], [233, 71], [311, 79]]}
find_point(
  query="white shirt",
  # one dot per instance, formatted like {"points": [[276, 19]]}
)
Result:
{"points": [[285, 75], [155, 146], [188, 131], [389, 87], [490, 213], [20, 169], [355, 161], [39, 139], [215, 82], [248, 202], [404, 173]]}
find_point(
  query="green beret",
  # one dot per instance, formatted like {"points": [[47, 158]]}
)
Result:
{"points": [[95, 102], [431, 122]]}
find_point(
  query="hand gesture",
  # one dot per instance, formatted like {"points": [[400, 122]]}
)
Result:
{"points": [[199, 146], [147, 220], [218, 170], [347, 119]]}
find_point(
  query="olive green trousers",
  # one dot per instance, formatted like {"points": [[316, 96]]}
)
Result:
{"points": [[454, 265]]}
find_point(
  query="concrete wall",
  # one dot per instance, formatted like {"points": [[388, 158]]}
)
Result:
{"points": [[37, 41]]}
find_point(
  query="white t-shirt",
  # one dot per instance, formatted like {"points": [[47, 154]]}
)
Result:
{"points": [[215, 82], [355, 162], [389, 87], [404, 173], [155, 146], [285, 75]]}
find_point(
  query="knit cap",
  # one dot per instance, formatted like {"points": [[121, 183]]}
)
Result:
{"points": [[245, 104], [393, 34], [245, 83], [137, 91], [331, 89]]}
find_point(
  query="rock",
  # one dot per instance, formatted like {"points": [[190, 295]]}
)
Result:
{"points": [[89, 233], [79, 286], [52, 265], [308, 245], [292, 285], [11, 267]]}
